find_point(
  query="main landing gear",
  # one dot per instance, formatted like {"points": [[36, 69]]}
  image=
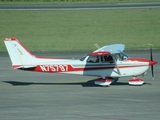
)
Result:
{"points": [[103, 82], [108, 81]]}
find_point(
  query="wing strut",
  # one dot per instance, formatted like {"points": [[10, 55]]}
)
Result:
{"points": [[114, 59]]}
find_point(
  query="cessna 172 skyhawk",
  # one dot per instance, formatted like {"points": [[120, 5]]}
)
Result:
{"points": [[108, 63]]}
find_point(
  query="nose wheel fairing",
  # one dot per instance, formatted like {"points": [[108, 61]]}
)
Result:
{"points": [[136, 81]]}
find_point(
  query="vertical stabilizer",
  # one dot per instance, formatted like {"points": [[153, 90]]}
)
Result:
{"points": [[18, 53]]}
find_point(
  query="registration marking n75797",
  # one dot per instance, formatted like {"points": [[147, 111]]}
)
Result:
{"points": [[54, 68]]}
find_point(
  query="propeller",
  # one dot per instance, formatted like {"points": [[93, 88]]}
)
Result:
{"points": [[152, 70]]}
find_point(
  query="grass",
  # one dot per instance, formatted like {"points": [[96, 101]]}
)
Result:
{"points": [[71, 1], [79, 30]]}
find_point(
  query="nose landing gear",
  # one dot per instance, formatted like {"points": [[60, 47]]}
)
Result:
{"points": [[136, 81]]}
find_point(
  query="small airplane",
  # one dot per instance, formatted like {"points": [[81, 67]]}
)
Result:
{"points": [[108, 63]]}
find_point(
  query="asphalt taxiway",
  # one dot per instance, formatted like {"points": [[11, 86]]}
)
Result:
{"points": [[42, 96], [79, 6]]}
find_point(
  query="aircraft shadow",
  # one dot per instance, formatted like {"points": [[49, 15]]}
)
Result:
{"points": [[89, 83]]}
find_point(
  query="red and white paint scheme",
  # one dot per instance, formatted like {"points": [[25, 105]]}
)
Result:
{"points": [[107, 63], [136, 81]]}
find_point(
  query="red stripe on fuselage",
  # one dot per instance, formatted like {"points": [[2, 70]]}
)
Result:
{"points": [[138, 59], [70, 68]]}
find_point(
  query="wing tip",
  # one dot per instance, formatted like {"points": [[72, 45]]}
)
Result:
{"points": [[11, 39], [16, 66]]}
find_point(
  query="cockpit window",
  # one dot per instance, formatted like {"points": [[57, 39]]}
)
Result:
{"points": [[93, 59], [104, 58], [107, 58]]}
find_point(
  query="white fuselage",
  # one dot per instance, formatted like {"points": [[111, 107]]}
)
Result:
{"points": [[82, 67]]}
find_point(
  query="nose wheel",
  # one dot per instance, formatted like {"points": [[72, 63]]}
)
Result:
{"points": [[136, 81]]}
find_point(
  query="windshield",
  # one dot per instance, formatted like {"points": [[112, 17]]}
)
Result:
{"points": [[81, 59]]}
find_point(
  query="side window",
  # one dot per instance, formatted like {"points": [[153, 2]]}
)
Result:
{"points": [[93, 59], [107, 58]]}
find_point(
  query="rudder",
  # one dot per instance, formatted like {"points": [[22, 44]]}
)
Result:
{"points": [[18, 53]]}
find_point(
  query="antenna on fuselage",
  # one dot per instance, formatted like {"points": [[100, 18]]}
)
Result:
{"points": [[97, 46]]}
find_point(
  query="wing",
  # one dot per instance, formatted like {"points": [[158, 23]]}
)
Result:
{"points": [[109, 49], [112, 49]]}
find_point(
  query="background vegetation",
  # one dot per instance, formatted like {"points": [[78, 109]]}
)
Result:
{"points": [[79, 30], [69, 1]]}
